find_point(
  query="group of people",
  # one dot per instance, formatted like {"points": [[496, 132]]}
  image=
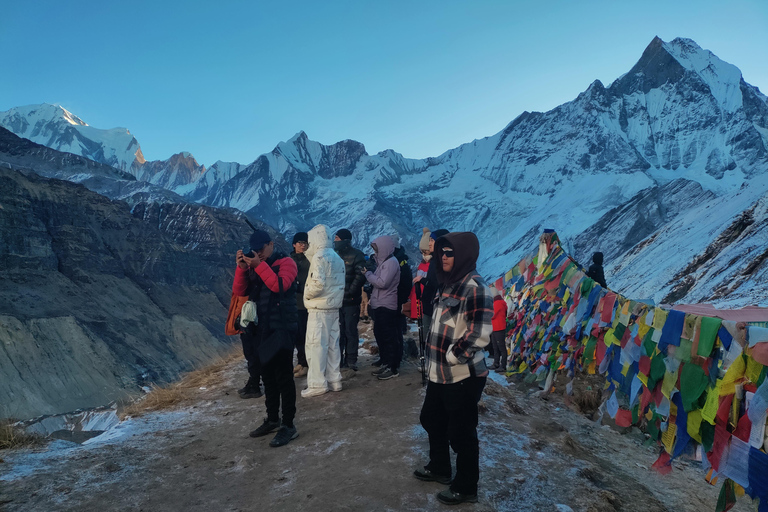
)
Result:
{"points": [[311, 300]]}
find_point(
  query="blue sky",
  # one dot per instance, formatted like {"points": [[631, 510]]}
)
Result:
{"points": [[229, 80]]}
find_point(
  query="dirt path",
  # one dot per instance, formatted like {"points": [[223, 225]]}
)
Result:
{"points": [[356, 451]]}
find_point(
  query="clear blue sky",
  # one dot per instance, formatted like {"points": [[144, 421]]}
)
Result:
{"points": [[229, 80]]}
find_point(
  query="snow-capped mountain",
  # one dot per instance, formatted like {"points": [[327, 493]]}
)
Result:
{"points": [[57, 128], [653, 169], [680, 130]]}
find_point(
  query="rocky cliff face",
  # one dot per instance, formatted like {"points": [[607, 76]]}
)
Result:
{"points": [[98, 299]]}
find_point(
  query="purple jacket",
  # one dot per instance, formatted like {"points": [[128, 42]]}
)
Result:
{"points": [[387, 275]]}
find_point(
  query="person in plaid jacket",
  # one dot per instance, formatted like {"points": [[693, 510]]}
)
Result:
{"points": [[461, 327]]}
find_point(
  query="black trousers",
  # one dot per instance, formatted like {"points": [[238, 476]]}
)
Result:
{"points": [[349, 339], [301, 338], [385, 329], [279, 387], [449, 415], [249, 342], [499, 348]]}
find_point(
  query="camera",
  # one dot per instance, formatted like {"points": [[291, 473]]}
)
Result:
{"points": [[248, 253]]}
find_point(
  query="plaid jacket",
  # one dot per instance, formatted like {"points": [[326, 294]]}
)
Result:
{"points": [[461, 327]]}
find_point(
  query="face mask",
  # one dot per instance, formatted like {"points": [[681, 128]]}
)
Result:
{"points": [[427, 257]]}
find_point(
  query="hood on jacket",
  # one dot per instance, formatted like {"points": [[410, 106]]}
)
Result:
{"points": [[597, 258], [424, 242], [498, 297], [385, 247], [319, 238], [466, 250]]}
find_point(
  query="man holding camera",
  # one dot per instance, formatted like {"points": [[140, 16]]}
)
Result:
{"points": [[268, 278]]}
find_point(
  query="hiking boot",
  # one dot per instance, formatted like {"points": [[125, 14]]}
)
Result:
{"points": [[301, 373], [388, 374], [265, 428], [501, 369], [381, 370], [251, 390], [285, 435], [335, 386], [376, 363], [426, 475], [494, 366], [353, 367], [454, 498], [310, 392]]}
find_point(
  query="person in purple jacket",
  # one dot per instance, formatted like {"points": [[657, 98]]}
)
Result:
{"points": [[384, 305]]}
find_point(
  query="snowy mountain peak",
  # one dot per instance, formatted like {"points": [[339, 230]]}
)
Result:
{"points": [[57, 128]]}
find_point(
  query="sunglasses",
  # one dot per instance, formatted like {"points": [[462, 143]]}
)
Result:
{"points": [[448, 253]]}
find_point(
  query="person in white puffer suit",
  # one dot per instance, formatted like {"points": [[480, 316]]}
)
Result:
{"points": [[323, 296]]}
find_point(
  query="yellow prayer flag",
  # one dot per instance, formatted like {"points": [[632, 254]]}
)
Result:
{"points": [[709, 411], [668, 437], [735, 373], [669, 383], [753, 370], [625, 369], [659, 318], [609, 339], [694, 425]]}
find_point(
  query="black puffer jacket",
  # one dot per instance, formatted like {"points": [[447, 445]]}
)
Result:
{"points": [[354, 260], [301, 279]]}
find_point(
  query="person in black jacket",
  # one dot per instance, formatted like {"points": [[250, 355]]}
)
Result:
{"points": [[595, 271], [349, 313], [430, 284], [300, 244]]}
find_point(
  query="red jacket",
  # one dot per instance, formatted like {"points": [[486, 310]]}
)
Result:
{"points": [[421, 271], [499, 314], [287, 270]]}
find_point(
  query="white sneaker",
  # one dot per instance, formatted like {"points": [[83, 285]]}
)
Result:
{"points": [[309, 392], [335, 386]]}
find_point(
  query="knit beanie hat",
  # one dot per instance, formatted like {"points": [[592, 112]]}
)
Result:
{"points": [[344, 234], [424, 242], [437, 234], [301, 236]]}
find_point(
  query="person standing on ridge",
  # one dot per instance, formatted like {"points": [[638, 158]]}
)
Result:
{"points": [[595, 271], [300, 244], [499, 332], [349, 314], [384, 305], [429, 283], [323, 296], [268, 278], [461, 328]]}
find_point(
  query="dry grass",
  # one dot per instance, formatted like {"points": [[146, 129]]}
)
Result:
{"points": [[12, 436], [165, 397]]}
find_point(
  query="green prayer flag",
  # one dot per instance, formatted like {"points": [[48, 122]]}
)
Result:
{"points": [[648, 344], [693, 382], [707, 432], [708, 335]]}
